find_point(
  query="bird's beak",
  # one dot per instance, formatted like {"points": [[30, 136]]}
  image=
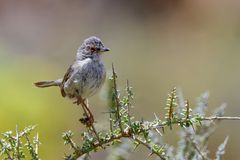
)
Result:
{"points": [[105, 49]]}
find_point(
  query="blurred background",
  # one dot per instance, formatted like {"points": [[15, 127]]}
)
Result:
{"points": [[156, 45]]}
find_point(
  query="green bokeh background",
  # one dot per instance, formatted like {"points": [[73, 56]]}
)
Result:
{"points": [[154, 44]]}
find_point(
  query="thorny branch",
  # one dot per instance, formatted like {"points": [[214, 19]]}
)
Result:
{"points": [[149, 147], [15, 147], [128, 134], [221, 118], [122, 125], [116, 95], [89, 119], [6, 151], [137, 131]]}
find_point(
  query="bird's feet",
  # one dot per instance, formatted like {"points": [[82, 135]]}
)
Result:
{"points": [[79, 101], [88, 118]]}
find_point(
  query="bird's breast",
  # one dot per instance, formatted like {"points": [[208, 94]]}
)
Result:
{"points": [[88, 78]]}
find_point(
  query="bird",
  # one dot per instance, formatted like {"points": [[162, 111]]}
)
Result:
{"points": [[85, 76]]}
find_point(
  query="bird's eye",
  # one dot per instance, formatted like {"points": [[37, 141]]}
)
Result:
{"points": [[93, 49]]}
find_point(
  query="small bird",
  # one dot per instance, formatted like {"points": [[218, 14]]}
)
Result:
{"points": [[85, 76]]}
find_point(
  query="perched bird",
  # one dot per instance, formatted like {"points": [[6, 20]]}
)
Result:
{"points": [[85, 76]]}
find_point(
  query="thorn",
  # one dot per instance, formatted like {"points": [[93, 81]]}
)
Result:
{"points": [[156, 117], [142, 120], [134, 149], [150, 154], [107, 112], [158, 132], [163, 130], [193, 128]]}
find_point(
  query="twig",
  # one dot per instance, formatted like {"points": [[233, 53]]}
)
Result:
{"points": [[149, 147], [111, 126], [17, 145], [72, 144], [96, 145], [196, 148], [128, 104], [123, 135], [128, 134], [116, 99], [30, 147], [136, 131], [220, 118], [91, 123], [37, 144], [8, 154]]}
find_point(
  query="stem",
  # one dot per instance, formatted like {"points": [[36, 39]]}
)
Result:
{"points": [[111, 126], [116, 99], [86, 109], [196, 148], [128, 104], [37, 143], [8, 154], [220, 118], [128, 134], [149, 147], [96, 145], [17, 145], [72, 144], [123, 135]]}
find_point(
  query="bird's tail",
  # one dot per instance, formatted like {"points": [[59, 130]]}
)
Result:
{"points": [[43, 84]]}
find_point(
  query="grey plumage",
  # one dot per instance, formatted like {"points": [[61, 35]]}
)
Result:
{"points": [[86, 75]]}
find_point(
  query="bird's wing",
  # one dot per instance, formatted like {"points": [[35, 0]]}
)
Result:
{"points": [[65, 78]]}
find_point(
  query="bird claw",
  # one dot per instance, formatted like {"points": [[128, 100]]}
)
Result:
{"points": [[78, 101], [87, 120]]}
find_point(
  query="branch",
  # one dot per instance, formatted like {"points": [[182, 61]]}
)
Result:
{"points": [[18, 146], [17, 143], [116, 98], [220, 118], [149, 147], [137, 131], [6, 151], [129, 134], [126, 134], [196, 148]]}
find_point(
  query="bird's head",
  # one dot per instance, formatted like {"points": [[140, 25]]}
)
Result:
{"points": [[92, 46]]}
